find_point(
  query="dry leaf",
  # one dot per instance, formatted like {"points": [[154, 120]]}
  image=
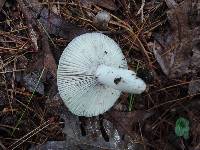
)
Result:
{"points": [[127, 119], [173, 49], [58, 26], [194, 87], [34, 38], [49, 61], [108, 4], [1, 4]]}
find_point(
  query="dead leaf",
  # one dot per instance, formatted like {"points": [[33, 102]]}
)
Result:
{"points": [[92, 137], [173, 49], [121, 104], [1, 4], [31, 22], [56, 9], [195, 62], [51, 22], [34, 38], [58, 26], [195, 131], [49, 61], [86, 133], [108, 4], [194, 87], [162, 59], [171, 4], [6, 110], [127, 119], [31, 80]]}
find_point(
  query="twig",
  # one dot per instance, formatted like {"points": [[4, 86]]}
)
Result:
{"points": [[141, 10], [30, 22], [4, 78], [2, 146], [171, 101], [29, 135]]}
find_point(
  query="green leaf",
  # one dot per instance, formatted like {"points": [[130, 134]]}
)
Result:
{"points": [[182, 128]]}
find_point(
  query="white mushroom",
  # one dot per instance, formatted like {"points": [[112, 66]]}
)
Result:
{"points": [[91, 74], [102, 18]]}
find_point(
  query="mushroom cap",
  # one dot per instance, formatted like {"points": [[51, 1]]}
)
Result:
{"points": [[77, 84]]}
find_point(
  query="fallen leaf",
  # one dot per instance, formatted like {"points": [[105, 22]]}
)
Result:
{"points": [[31, 80], [1, 4], [108, 4], [87, 133], [173, 49], [127, 119], [51, 22], [56, 9], [171, 4], [195, 132], [34, 38], [7, 110], [58, 26], [91, 137], [49, 61], [194, 87], [56, 145], [195, 62]]}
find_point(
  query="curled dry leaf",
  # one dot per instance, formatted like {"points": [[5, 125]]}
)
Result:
{"points": [[176, 51]]}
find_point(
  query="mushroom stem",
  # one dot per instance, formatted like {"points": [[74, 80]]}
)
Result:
{"points": [[120, 79]]}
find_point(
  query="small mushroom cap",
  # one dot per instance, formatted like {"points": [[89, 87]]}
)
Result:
{"points": [[77, 84]]}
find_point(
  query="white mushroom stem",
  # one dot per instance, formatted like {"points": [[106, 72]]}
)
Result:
{"points": [[120, 79]]}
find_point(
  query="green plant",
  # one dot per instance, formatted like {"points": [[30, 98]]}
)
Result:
{"points": [[182, 128], [29, 100], [131, 97]]}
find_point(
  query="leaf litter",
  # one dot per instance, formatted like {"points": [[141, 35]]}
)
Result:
{"points": [[177, 51], [162, 38]]}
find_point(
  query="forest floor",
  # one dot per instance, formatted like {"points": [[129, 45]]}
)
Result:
{"points": [[159, 39]]}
